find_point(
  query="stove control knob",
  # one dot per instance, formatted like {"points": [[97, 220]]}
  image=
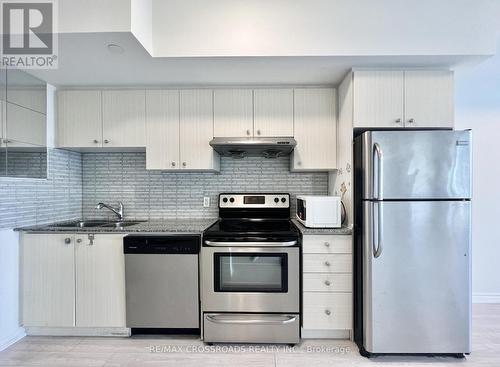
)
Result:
{"points": [[231, 200], [224, 200], [276, 200], [283, 200]]}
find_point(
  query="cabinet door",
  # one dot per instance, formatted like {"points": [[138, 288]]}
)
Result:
{"points": [[378, 99], [162, 129], [100, 281], [25, 126], [48, 282], [429, 98], [315, 129], [124, 118], [79, 119], [196, 130], [273, 112], [233, 112]]}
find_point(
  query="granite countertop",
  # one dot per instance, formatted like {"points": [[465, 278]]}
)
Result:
{"points": [[304, 230], [187, 225]]}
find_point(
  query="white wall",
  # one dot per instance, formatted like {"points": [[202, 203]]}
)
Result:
{"points": [[478, 107], [10, 331], [322, 27]]}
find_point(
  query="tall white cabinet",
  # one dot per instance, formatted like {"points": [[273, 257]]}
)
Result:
{"points": [[196, 130], [315, 129]]}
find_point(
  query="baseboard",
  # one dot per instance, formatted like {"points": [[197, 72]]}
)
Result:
{"points": [[77, 331], [486, 298], [11, 339], [325, 334]]}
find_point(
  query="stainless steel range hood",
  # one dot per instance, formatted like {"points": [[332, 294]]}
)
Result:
{"points": [[242, 147]]}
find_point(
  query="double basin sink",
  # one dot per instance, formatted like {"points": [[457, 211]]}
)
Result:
{"points": [[96, 223]]}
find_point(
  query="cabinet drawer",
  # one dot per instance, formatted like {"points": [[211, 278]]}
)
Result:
{"points": [[314, 282], [327, 263], [339, 244], [327, 310]]}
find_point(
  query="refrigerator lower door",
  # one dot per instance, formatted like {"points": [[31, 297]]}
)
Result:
{"points": [[416, 277]]}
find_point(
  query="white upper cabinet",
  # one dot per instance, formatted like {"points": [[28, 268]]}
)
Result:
{"points": [[429, 98], [48, 280], [124, 118], [315, 129], [100, 281], [162, 129], [273, 112], [233, 113], [378, 98], [80, 119], [411, 98], [196, 130]]}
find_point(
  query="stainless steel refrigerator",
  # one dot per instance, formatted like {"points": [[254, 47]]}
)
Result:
{"points": [[412, 242]]}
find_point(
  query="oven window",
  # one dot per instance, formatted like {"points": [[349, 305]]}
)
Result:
{"points": [[251, 272]]}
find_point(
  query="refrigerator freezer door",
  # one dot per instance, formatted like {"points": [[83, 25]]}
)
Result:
{"points": [[416, 164], [416, 293]]}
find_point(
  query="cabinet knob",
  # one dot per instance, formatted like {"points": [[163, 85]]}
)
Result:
{"points": [[398, 121], [67, 240], [327, 244], [327, 283], [184, 164], [411, 121], [79, 240], [327, 263], [328, 312], [96, 141], [106, 141], [258, 132], [299, 163], [248, 132], [173, 164]]}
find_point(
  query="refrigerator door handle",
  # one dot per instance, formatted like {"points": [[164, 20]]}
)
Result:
{"points": [[377, 153], [377, 250]]}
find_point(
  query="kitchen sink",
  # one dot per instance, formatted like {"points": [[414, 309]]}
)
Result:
{"points": [[121, 224], [80, 224], [96, 223]]}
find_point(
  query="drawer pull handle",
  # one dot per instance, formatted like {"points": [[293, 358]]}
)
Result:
{"points": [[328, 312], [327, 263], [327, 244], [327, 282]]}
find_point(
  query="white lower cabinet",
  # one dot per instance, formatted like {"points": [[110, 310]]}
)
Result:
{"points": [[48, 280], [100, 281], [327, 286], [73, 280]]}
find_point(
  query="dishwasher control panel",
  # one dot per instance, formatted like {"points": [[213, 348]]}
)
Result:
{"points": [[161, 244]]}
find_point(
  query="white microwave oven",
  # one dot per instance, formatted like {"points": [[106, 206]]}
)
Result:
{"points": [[319, 211]]}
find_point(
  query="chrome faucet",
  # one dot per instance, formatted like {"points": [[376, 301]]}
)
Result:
{"points": [[118, 211]]}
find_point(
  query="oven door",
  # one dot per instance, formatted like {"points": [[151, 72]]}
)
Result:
{"points": [[250, 279]]}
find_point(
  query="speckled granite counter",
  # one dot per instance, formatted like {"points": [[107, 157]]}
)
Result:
{"points": [[187, 225], [305, 230]]}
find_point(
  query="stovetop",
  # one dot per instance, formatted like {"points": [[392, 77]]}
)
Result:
{"points": [[252, 229]]}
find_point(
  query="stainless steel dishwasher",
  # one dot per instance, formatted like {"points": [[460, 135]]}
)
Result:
{"points": [[161, 274]]}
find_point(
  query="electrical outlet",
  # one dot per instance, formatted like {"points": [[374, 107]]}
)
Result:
{"points": [[206, 201]]}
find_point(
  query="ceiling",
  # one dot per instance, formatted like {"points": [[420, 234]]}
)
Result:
{"points": [[84, 60]]}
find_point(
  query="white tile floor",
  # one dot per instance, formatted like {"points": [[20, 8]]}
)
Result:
{"points": [[188, 351]]}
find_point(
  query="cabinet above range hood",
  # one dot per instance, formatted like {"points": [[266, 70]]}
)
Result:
{"points": [[242, 147]]}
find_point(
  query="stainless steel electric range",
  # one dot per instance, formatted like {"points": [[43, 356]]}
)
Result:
{"points": [[250, 271]]}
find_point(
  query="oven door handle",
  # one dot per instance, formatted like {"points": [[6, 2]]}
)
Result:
{"points": [[269, 320], [250, 244]]}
